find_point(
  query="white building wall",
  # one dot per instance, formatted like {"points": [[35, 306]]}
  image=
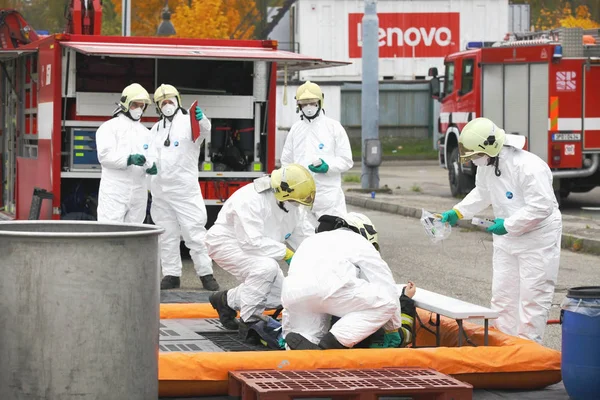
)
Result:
{"points": [[324, 30]]}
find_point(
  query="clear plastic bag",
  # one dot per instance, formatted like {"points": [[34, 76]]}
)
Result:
{"points": [[589, 307], [434, 227]]}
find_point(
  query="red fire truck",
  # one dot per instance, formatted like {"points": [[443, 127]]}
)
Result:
{"points": [[545, 86], [56, 91]]}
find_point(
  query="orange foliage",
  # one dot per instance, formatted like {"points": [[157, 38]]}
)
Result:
{"points": [[563, 17], [212, 19], [216, 19]]}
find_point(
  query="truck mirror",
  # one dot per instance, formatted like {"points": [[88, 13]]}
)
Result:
{"points": [[433, 72], [434, 85]]}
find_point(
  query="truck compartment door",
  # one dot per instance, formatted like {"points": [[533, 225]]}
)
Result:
{"points": [[591, 105]]}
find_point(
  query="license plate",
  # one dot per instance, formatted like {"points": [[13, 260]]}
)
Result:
{"points": [[566, 137]]}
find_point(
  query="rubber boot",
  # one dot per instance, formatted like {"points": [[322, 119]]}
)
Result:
{"points": [[227, 314], [209, 283], [170, 282], [329, 342], [296, 341]]}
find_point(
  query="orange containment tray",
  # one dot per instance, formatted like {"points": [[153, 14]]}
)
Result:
{"points": [[507, 362]]}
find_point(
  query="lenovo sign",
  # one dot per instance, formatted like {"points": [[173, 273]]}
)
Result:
{"points": [[409, 35]]}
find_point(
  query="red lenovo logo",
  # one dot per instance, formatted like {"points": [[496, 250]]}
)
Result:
{"points": [[409, 35]]}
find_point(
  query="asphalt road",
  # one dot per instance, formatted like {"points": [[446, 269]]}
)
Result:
{"points": [[428, 178], [460, 267]]}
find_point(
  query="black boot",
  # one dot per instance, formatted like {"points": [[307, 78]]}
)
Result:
{"points": [[209, 283], [329, 342], [227, 314], [170, 282], [296, 341]]}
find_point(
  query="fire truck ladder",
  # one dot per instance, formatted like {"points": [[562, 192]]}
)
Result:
{"points": [[570, 40]]}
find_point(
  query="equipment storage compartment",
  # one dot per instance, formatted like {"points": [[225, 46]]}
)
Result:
{"points": [[84, 154]]}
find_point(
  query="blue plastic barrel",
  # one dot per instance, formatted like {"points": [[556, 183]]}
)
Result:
{"points": [[580, 317]]}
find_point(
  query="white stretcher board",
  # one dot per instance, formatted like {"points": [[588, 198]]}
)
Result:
{"points": [[448, 306]]}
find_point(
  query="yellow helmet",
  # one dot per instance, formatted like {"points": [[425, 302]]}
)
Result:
{"points": [[309, 92], [165, 91], [364, 226], [294, 183], [133, 92], [480, 136]]}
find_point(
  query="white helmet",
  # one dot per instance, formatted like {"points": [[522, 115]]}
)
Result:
{"points": [[363, 225]]}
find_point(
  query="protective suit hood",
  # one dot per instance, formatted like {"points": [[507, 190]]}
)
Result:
{"points": [[516, 141]]}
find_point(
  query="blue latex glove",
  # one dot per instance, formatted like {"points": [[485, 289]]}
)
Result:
{"points": [[450, 216], [498, 227], [323, 168], [136, 159], [199, 113], [152, 170]]}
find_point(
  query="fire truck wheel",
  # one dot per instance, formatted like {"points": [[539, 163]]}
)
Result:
{"points": [[460, 182]]}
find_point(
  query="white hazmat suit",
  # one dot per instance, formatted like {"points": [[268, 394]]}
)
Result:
{"points": [[321, 138], [247, 239], [177, 203], [123, 193], [339, 273], [526, 259]]}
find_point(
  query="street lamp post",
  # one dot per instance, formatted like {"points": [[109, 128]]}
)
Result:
{"points": [[166, 27]]}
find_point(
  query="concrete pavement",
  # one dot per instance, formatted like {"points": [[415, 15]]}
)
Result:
{"points": [[424, 185]]}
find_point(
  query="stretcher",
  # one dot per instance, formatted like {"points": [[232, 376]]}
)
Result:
{"points": [[455, 309], [507, 362]]}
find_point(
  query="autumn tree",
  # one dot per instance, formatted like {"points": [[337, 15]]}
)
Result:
{"points": [[581, 19], [145, 14], [194, 18], [111, 21], [216, 19], [564, 14]]}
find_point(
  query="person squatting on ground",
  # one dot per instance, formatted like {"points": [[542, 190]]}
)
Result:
{"points": [[248, 238], [316, 138], [177, 203], [527, 229], [123, 145], [339, 272]]}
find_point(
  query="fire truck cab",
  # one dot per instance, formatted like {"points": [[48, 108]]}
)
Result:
{"points": [[544, 86], [57, 90]]}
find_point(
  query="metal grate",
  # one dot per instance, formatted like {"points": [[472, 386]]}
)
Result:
{"points": [[171, 330], [202, 325], [232, 342], [351, 384], [189, 346]]}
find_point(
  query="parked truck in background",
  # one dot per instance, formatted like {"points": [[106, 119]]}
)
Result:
{"points": [[543, 85], [58, 89]]}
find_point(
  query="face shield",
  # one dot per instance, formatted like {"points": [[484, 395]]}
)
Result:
{"points": [[468, 154]]}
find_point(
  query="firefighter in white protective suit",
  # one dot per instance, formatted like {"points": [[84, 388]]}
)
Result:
{"points": [[320, 144], [177, 203], [339, 272], [249, 238], [123, 146], [527, 228]]}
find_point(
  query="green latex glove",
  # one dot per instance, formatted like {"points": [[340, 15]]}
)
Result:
{"points": [[321, 169], [390, 340], [152, 170], [199, 113], [450, 216], [136, 159], [498, 227]]}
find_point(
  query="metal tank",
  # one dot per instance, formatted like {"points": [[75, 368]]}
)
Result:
{"points": [[79, 310]]}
